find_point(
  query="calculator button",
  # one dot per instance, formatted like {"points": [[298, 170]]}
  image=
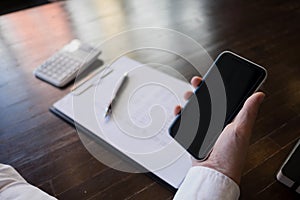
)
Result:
{"points": [[63, 65]]}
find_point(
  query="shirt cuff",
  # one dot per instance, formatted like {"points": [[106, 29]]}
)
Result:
{"points": [[13, 186], [205, 183]]}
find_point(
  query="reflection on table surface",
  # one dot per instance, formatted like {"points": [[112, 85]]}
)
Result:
{"points": [[48, 152]]}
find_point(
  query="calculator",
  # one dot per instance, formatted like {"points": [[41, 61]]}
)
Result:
{"points": [[62, 67]]}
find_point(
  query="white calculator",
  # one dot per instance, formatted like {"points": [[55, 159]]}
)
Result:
{"points": [[62, 67]]}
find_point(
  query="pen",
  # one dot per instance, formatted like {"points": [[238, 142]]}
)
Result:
{"points": [[115, 94]]}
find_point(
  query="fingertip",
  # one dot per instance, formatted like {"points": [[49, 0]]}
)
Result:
{"points": [[177, 110], [261, 96], [256, 98], [187, 95], [196, 80], [248, 113]]}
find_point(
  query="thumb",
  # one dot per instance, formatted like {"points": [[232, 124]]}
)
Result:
{"points": [[245, 119]]}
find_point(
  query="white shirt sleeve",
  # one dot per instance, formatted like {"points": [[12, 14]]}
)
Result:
{"points": [[205, 183], [13, 186]]}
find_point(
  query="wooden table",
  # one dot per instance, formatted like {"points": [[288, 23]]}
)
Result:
{"points": [[48, 152]]}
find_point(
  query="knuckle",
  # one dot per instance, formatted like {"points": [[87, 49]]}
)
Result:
{"points": [[238, 130]]}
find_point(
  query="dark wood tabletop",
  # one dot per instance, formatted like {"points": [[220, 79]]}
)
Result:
{"points": [[48, 152]]}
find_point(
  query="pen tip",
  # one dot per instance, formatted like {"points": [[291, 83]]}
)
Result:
{"points": [[106, 115], [106, 118]]}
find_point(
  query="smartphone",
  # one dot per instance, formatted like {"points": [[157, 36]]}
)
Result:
{"points": [[240, 77], [289, 173]]}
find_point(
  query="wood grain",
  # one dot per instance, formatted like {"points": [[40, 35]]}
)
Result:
{"points": [[49, 153]]}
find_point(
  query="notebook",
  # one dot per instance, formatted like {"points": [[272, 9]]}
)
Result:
{"points": [[142, 114]]}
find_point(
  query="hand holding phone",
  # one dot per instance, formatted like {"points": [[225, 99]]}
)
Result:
{"points": [[229, 153], [241, 78]]}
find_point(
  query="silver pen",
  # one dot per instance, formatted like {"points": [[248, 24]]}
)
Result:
{"points": [[118, 87]]}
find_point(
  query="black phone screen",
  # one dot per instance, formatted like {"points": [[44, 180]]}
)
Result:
{"points": [[240, 77]]}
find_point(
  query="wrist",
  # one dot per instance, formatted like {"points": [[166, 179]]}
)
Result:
{"points": [[231, 173]]}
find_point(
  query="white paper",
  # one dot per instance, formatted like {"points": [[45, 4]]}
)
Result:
{"points": [[141, 116]]}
